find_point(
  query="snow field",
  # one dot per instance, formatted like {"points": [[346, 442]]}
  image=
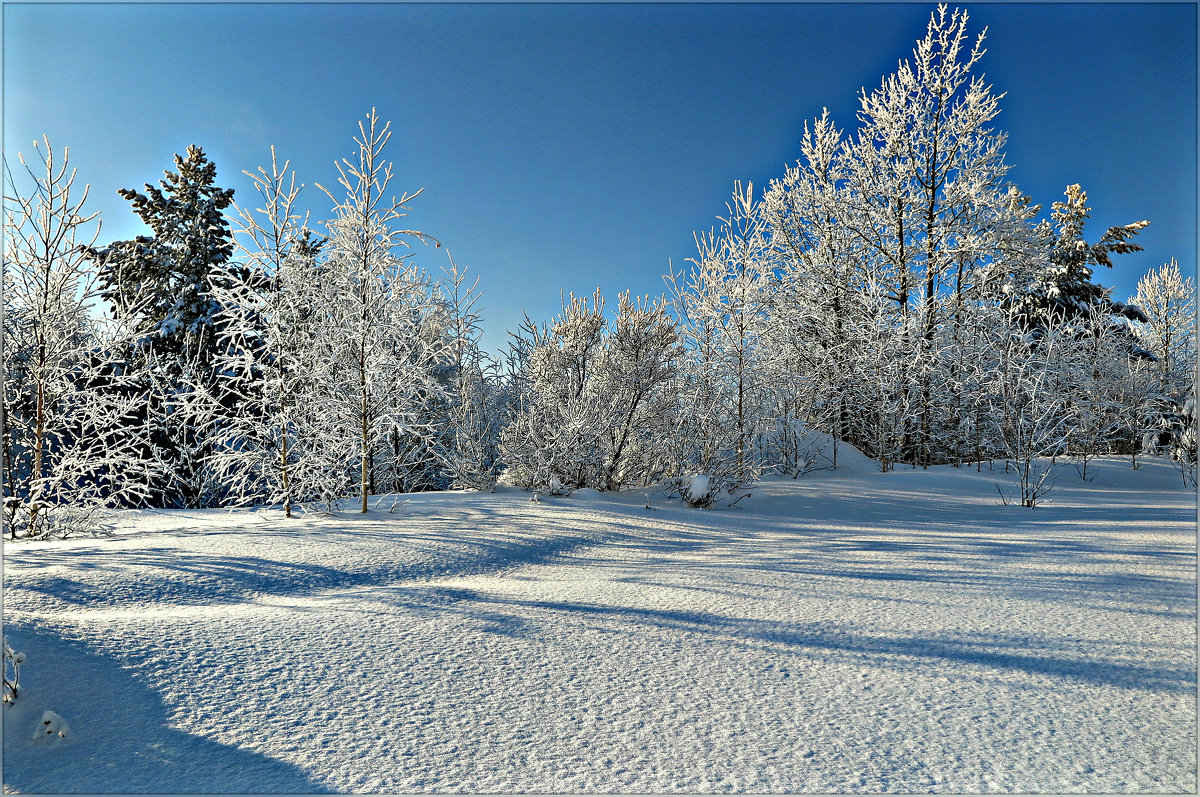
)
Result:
{"points": [[849, 631]]}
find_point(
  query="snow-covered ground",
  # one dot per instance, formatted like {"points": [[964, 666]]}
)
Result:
{"points": [[848, 631]]}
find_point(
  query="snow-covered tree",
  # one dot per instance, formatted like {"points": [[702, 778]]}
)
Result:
{"points": [[816, 298], [637, 369], [1168, 332], [1096, 395], [471, 418], [1168, 301], [722, 304], [72, 444], [554, 434], [382, 377], [163, 282], [270, 441], [1030, 382], [595, 399], [928, 200], [1059, 287]]}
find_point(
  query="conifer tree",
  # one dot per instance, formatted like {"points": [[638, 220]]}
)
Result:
{"points": [[1058, 288], [163, 283], [166, 275]]}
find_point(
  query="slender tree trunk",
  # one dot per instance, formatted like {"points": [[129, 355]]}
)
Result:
{"points": [[364, 429], [39, 445], [283, 456]]}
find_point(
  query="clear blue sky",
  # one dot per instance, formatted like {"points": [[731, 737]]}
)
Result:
{"points": [[565, 147]]}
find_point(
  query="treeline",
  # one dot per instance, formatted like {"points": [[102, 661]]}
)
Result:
{"points": [[891, 291]]}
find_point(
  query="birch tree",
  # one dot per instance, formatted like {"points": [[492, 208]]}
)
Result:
{"points": [[926, 174], [722, 303], [1168, 301], [72, 445], [472, 419], [270, 442], [379, 303]]}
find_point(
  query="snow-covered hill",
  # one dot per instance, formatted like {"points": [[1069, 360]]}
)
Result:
{"points": [[847, 631]]}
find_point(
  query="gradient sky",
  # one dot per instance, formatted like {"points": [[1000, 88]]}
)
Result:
{"points": [[568, 146]]}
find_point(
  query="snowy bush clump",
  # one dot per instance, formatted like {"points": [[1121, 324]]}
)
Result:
{"points": [[1173, 434], [593, 397], [698, 491], [703, 490], [791, 448], [12, 672], [51, 725]]}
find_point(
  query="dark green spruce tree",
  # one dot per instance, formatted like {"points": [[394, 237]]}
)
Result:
{"points": [[162, 284], [1061, 287]]}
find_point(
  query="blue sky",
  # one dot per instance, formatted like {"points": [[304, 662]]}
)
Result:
{"points": [[565, 146]]}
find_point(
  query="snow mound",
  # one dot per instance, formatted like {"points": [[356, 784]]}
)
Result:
{"points": [[697, 489], [52, 726], [849, 458]]}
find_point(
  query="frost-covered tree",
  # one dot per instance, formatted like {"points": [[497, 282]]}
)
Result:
{"points": [[554, 434], [926, 174], [1168, 331], [166, 275], [472, 422], [65, 396], [385, 350], [722, 303], [816, 297], [636, 372], [1097, 399], [163, 282], [271, 443], [594, 399], [1058, 286]]}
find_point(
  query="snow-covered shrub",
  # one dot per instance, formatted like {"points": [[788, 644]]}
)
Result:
{"points": [[1172, 432], [698, 490], [790, 448], [593, 401], [12, 672], [52, 726], [703, 490]]}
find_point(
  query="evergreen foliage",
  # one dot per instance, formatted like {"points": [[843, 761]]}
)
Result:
{"points": [[163, 284]]}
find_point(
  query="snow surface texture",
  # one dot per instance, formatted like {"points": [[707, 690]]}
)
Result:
{"points": [[848, 631]]}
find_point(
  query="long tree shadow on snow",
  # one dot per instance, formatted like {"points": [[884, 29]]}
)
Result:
{"points": [[121, 741], [188, 577], [1004, 550], [994, 651]]}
